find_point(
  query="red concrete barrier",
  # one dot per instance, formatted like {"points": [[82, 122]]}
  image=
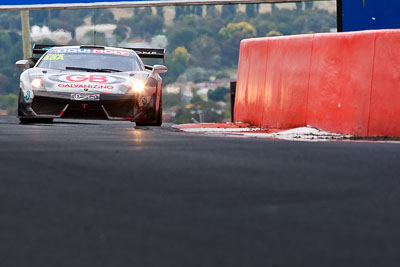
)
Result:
{"points": [[287, 84], [385, 96], [343, 82], [340, 82]]}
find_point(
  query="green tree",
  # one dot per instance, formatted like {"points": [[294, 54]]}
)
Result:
{"points": [[211, 11], [4, 82], [233, 33], [309, 5], [170, 100], [179, 11], [47, 41], [148, 26], [180, 54], [189, 10], [10, 52], [39, 17], [198, 10], [274, 33], [273, 8], [120, 33], [244, 28], [299, 6], [205, 52], [252, 10], [8, 101], [69, 20], [160, 12], [143, 24], [222, 74], [10, 20], [177, 64], [180, 36], [219, 94], [228, 12], [142, 11], [103, 16]]}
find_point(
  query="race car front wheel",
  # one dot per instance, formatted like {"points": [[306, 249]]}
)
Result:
{"points": [[158, 118], [157, 123], [29, 120]]}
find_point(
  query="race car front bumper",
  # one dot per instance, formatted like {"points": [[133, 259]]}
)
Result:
{"points": [[88, 106]]}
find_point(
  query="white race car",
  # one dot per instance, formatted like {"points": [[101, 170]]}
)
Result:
{"points": [[91, 82]]}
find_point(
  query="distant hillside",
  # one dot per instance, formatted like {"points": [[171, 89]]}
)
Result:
{"points": [[120, 13]]}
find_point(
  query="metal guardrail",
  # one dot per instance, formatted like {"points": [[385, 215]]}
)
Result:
{"points": [[154, 3]]}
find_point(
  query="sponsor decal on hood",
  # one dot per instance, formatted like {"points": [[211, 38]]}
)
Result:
{"points": [[87, 78], [84, 86]]}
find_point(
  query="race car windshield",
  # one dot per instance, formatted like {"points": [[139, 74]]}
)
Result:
{"points": [[116, 61]]}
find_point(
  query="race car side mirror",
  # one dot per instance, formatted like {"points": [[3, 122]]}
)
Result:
{"points": [[160, 69], [23, 64]]}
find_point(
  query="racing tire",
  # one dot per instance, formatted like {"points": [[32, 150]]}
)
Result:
{"points": [[35, 120], [158, 120], [20, 103], [29, 120]]}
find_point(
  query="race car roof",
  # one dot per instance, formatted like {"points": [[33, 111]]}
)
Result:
{"points": [[40, 49]]}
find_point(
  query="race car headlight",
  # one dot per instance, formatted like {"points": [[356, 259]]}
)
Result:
{"points": [[138, 86], [36, 83]]}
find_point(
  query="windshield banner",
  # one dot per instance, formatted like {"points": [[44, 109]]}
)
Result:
{"points": [[89, 51]]}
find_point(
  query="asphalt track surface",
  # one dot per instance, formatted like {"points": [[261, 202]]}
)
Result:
{"points": [[98, 193]]}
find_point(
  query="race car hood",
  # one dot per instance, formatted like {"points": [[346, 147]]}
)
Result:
{"points": [[82, 81]]}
